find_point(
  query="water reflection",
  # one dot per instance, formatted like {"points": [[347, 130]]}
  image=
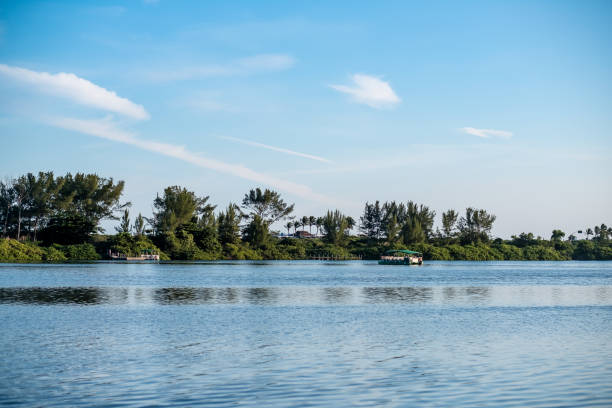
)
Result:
{"points": [[398, 295], [85, 296], [309, 295]]}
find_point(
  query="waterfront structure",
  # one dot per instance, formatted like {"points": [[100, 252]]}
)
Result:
{"points": [[401, 257]]}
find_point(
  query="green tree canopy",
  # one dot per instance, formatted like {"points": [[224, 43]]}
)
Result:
{"points": [[449, 219], [139, 225], [264, 207], [43, 199], [177, 208], [229, 225], [335, 227], [418, 224], [92, 196], [7, 200], [82, 201], [267, 204], [256, 232], [557, 235], [124, 225], [475, 225], [371, 221]]}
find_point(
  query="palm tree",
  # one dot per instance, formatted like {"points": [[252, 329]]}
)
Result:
{"points": [[557, 235], [304, 222], [312, 220], [319, 224], [288, 226], [604, 231], [350, 223], [296, 225], [589, 232]]}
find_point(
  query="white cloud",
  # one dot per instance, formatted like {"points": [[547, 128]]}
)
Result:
{"points": [[276, 149], [487, 133], [244, 66], [370, 91], [106, 129], [76, 89]]}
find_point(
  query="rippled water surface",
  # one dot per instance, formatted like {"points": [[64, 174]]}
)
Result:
{"points": [[497, 334]]}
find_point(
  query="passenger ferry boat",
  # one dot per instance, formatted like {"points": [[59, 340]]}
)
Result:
{"points": [[146, 255], [401, 257]]}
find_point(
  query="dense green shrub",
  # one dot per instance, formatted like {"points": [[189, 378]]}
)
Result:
{"points": [[603, 252], [133, 245], [509, 252], [12, 250], [183, 246], [589, 250], [78, 252], [541, 253], [240, 252], [54, 255], [439, 254]]}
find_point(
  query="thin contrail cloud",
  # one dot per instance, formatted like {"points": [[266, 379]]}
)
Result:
{"points": [[277, 149], [107, 130]]}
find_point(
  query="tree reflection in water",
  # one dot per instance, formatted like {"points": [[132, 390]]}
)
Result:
{"points": [[399, 295], [311, 295], [83, 296], [337, 295], [261, 295]]}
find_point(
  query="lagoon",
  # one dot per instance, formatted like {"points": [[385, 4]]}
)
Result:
{"points": [[306, 333]]}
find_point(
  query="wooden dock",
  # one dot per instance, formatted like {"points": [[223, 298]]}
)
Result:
{"points": [[329, 257]]}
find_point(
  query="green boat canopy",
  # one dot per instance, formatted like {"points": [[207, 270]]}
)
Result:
{"points": [[403, 251]]}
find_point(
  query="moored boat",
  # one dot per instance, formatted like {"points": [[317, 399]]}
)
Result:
{"points": [[401, 257], [146, 255]]}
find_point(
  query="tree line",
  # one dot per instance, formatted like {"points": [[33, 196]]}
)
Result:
{"points": [[63, 211], [411, 223]]}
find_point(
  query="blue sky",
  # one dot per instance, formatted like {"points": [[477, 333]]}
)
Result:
{"points": [[499, 105]]}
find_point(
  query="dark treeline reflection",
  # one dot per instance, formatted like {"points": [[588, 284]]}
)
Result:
{"points": [[253, 296], [404, 294], [85, 296]]}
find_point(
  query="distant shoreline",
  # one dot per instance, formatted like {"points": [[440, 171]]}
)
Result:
{"points": [[13, 251], [50, 218]]}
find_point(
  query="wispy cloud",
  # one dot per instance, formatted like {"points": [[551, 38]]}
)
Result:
{"points": [[276, 149], [369, 90], [244, 66], [486, 133], [106, 129], [77, 89]]}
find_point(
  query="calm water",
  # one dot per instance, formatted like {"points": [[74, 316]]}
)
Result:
{"points": [[453, 334]]}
